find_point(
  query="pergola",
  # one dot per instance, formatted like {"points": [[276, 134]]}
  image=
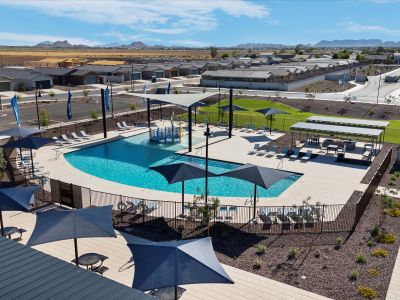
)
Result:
{"points": [[185, 100], [373, 133]]}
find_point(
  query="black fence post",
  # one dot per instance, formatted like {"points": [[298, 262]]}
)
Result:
{"points": [[175, 215], [143, 206], [283, 219], [120, 208], [90, 198], [322, 217]]}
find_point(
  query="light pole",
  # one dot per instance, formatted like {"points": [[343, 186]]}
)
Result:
{"points": [[379, 86], [207, 134], [37, 108]]}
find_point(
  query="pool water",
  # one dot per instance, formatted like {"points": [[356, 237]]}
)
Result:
{"points": [[127, 161]]}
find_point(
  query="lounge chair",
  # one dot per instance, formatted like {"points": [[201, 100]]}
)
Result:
{"points": [[273, 151], [65, 139], [262, 130], [57, 141], [255, 149], [246, 126], [84, 135], [307, 156], [295, 154], [120, 127], [127, 126], [284, 152], [76, 137], [367, 154]]}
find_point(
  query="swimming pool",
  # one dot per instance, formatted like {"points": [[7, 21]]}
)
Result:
{"points": [[127, 161]]}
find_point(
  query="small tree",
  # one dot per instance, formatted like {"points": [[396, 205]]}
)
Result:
{"points": [[132, 107], [85, 93], [213, 52], [224, 55], [52, 94], [175, 90], [94, 114], [44, 117], [390, 99], [347, 98]]}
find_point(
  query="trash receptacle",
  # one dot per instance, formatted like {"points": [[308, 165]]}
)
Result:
{"points": [[340, 157], [154, 79]]}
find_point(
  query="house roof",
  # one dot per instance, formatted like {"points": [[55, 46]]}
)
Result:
{"points": [[152, 68], [29, 273], [347, 121], [99, 68], [239, 73], [82, 73], [21, 74], [54, 71], [108, 62]]}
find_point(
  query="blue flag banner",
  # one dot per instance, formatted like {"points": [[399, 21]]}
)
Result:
{"points": [[69, 110], [168, 88], [14, 105], [144, 92], [107, 98]]}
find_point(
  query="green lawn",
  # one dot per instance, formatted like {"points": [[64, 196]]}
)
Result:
{"points": [[281, 122]]}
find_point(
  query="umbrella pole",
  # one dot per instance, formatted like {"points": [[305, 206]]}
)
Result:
{"points": [[76, 251], [254, 204], [1, 222], [183, 196], [270, 125], [176, 292], [33, 168]]}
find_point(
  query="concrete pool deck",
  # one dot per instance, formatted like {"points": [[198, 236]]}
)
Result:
{"points": [[323, 179]]}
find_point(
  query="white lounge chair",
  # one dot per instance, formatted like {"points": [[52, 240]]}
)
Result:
{"points": [[120, 127], [57, 141], [127, 126], [284, 152], [65, 139], [84, 135], [307, 156], [295, 154], [273, 150], [76, 137], [255, 149]]}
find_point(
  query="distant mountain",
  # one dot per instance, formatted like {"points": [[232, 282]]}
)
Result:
{"points": [[356, 43], [137, 45], [59, 44]]}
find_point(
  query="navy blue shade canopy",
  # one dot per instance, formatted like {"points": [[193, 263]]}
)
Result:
{"points": [[57, 225], [198, 104], [173, 263], [225, 108], [270, 111], [20, 198], [29, 142], [20, 132], [181, 172], [259, 176]]}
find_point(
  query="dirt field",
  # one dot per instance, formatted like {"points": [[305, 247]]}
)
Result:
{"points": [[323, 86]]}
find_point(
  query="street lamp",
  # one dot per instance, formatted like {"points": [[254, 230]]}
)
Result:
{"points": [[37, 107], [379, 85], [112, 101], [207, 134]]}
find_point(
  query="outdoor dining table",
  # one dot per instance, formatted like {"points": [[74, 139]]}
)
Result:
{"points": [[8, 231], [89, 260], [332, 147]]}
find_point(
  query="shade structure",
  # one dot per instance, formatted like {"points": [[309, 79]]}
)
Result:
{"points": [[181, 172], [57, 225], [20, 132], [178, 99], [18, 198], [29, 142], [173, 263], [225, 108], [260, 176], [270, 112]]}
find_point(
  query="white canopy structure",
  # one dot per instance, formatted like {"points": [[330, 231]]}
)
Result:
{"points": [[178, 99]]}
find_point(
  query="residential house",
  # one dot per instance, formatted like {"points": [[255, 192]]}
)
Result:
{"points": [[187, 69], [148, 72], [106, 73], [60, 75], [25, 80], [83, 77], [5, 84]]}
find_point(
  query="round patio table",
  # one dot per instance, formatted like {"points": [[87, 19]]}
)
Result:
{"points": [[8, 231], [89, 259]]}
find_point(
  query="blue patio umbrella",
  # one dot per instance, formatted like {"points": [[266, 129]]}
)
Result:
{"points": [[271, 111], [180, 172], [172, 263], [260, 176], [195, 106], [29, 142], [225, 108], [58, 225], [16, 198], [20, 132]]}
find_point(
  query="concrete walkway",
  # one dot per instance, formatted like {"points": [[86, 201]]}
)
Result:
{"points": [[121, 268], [393, 292]]}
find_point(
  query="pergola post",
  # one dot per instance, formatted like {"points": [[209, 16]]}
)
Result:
{"points": [[103, 109], [148, 112], [230, 112], [190, 127]]}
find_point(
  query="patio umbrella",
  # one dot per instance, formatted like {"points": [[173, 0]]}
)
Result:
{"points": [[58, 225], [225, 108], [173, 263], [195, 106], [181, 172], [16, 198], [270, 111], [20, 132], [29, 142], [260, 176]]}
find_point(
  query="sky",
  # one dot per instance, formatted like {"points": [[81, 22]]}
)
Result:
{"points": [[196, 23]]}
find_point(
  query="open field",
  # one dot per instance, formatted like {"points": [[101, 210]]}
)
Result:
{"points": [[323, 86]]}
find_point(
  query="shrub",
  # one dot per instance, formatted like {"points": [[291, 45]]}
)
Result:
{"points": [[353, 275], [361, 259], [339, 242], [132, 107], [257, 265], [261, 249], [44, 117], [397, 174], [293, 252], [373, 272], [371, 243], [367, 292], [387, 202], [393, 212], [379, 252], [385, 238], [375, 231], [94, 115], [317, 253]]}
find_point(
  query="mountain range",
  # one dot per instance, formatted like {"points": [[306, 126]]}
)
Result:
{"points": [[322, 44]]}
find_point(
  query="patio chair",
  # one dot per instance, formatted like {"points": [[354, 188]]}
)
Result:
{"points": [[307, 156], [255, 149], [120, 127], [297, 219], [273, 151], [65, 139], [127, 126], [284, 152], [245, 127], [262, 130], [76, 137], [84, 135], [367, 154], [295, 154], [57, 141]]}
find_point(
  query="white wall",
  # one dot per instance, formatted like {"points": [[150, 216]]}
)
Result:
{"points": [[246, 85]]}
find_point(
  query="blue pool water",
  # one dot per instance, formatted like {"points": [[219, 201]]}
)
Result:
{"points": [[126, 161]]}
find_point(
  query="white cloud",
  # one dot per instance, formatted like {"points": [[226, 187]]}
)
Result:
{"points": [[11, 38], [156, 16], [359, 28]]}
